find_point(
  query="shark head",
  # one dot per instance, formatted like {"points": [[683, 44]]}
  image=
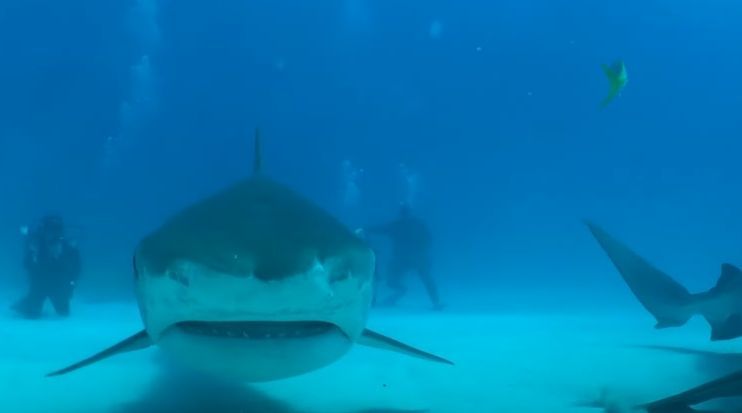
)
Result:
{"points": [[258, 274]]}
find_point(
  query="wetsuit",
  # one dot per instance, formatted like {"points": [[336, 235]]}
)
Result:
{"points": [[53, 267], [410, 253]]}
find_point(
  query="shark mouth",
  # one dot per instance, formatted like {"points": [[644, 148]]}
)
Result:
{"points": [[255, 351], [257, 330]]}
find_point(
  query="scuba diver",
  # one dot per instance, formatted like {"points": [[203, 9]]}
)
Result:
{"points": [[411, 242], [52, 263]]}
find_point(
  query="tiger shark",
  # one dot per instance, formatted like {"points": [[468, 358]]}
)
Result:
{"points": [[254, 283], [671, 304]]}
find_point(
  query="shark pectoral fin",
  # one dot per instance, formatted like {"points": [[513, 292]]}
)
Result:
{"points": [[727, 386], [372, 339], [138, 341]]}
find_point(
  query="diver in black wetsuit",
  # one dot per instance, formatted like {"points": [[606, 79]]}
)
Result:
{"points": [[53, 267], [410, 252]]}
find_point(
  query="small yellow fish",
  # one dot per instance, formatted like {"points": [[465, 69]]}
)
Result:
{"points": [[617, 77]]}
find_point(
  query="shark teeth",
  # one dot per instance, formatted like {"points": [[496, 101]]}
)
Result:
{"points": [[256, 330]]}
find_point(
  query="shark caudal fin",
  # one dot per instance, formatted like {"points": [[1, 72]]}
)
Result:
{"points": [[138, 341], [668, 301], [725, 324], [372, 339]]}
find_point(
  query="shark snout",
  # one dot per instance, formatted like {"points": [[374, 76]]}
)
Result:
{"points": [[337, 292]]}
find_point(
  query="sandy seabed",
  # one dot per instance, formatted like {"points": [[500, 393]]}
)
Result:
{"points": [[505, 362]]}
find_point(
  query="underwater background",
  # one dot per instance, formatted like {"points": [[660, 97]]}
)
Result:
{"points": [[484, 115]]}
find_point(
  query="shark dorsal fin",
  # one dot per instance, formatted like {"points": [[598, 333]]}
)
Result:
{"points": [[258, 156]]}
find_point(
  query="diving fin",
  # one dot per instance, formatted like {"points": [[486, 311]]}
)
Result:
{"points": [[138, 341], [373, 339]]}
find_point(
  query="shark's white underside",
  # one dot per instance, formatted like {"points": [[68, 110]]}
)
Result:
{"points": [[248, 351]]}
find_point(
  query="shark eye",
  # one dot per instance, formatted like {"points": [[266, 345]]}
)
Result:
{"points": [[340, 274]]}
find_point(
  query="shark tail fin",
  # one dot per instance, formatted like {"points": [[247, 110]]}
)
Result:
{"points": [[724, 326], [257, 165], [668, 301], [373, 339], [138, 341]]}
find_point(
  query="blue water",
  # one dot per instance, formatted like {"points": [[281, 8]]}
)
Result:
{"points": [[483, 114]]}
